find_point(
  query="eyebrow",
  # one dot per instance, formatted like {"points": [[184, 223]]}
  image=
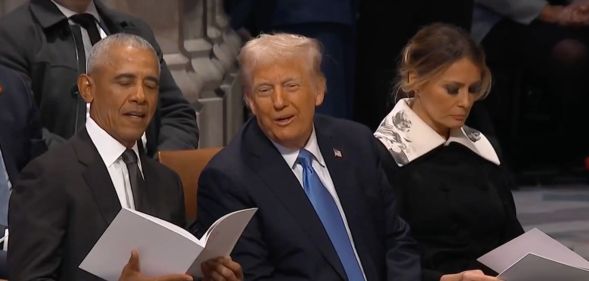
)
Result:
{"points": [[460, 83], [125, 76], [133, 76]]}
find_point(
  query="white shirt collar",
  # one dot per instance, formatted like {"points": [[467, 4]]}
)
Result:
{"points": [[108, 147], [68, 13], [290, 155], [407, 137]]}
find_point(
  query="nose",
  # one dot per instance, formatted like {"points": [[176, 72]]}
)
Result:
{"points": [[139, 95], [465, 99], [279, 99]]}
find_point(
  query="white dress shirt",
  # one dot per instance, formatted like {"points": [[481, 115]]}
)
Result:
{"points": [[290, 156], [110, 151], [4, 171]]}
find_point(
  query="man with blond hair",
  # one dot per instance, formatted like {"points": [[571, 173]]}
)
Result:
{"points": [[325, 209]]}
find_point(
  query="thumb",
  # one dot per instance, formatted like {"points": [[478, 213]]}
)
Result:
{"points": [[131, 268], [133, 263]]}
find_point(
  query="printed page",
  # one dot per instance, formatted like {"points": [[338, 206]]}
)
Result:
{"points": [[536, 268], [536, 242], [221, 237], [164, 248]]}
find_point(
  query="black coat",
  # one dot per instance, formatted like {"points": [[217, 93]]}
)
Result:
{"points": [[459, 206], [36, 40], [63, 202]]}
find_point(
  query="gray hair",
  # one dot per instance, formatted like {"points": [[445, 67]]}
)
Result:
{"points": [[269, 48], [98, 53]]}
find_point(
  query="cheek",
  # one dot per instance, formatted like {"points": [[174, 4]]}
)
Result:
{"points": [[442, 101], [152, 99]]}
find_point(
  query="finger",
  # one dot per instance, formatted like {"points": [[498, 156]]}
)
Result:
{"points": [[215, 276], [234, 267], [223, 268], [488, 278], [205, 268], [477, 275]]}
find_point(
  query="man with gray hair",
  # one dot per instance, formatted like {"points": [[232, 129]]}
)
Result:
{"points": [[66, 199], [48, 42]]}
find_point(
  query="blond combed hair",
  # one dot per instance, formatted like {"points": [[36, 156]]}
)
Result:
{"points": [[266, 49]]}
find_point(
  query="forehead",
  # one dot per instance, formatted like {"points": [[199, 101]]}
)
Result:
{"points": [[463, 70], [123, 58], [280, 69]]}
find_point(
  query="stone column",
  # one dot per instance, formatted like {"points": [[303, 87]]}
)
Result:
{"points": [[200, 50]]}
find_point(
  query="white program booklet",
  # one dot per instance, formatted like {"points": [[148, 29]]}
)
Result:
{"points": [[535, 256], [164, 248]]}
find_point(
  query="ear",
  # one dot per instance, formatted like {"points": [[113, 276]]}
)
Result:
{"points": [[248, 102], [321, 88], [86, 87], [411, 77]]}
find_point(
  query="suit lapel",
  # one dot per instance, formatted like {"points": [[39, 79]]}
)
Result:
{"points": [[96, 176], [338, 159], [269, 165]]}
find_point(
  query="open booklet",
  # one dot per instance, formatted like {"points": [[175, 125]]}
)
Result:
{"points": [[535, 256], [163, 247]]}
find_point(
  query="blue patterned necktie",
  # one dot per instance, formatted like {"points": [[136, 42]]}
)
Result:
{"points": [[4, 193], [330, 217]]}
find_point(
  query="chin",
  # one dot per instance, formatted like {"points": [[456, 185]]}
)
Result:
{"points": [[455, 125], [133, 137]]}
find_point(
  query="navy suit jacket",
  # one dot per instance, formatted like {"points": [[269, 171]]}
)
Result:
{"points": [[20, 129], [286, 240]]}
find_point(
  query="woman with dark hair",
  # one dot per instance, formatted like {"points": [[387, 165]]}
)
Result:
{"points": [[450, 184]]}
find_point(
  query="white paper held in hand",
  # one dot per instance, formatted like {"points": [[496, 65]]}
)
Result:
{"points": [[536, 256], [163, 247]]}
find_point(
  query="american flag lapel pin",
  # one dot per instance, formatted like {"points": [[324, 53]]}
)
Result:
{"points": [[337, 153]]}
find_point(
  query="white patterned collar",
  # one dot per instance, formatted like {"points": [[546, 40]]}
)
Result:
{"points": [[407, 137]]}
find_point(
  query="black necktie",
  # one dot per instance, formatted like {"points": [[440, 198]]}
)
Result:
{"points": [[88, 22], [135, 178]]}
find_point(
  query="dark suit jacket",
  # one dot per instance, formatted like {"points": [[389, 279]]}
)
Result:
{"points": [[64, 201], [20, 128], [286, 240], [37, 41]]}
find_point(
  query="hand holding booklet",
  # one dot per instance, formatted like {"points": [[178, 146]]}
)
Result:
{"points": [[535, 256], [163, 247]]}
